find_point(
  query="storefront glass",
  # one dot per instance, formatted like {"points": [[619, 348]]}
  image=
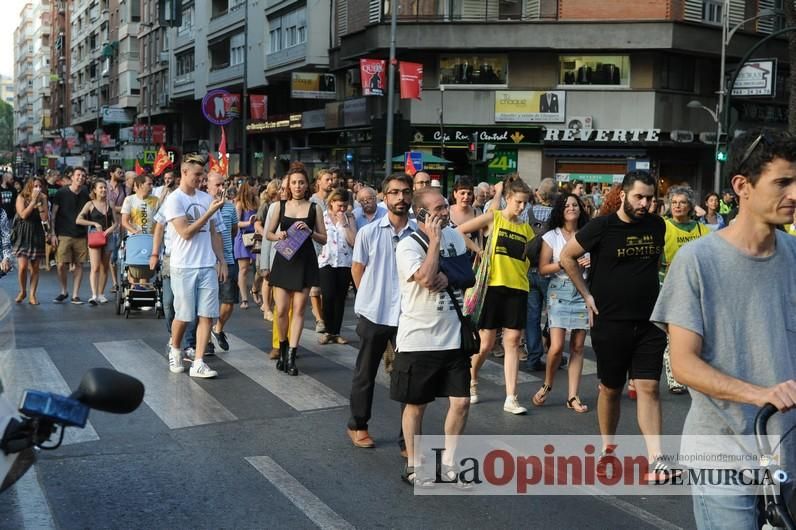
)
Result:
{"points": [[473, 70], [603, 70]]}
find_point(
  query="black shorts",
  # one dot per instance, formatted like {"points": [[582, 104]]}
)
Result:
{"points": [[228, 292], [504, 307], [420, 376], [622, 346]]}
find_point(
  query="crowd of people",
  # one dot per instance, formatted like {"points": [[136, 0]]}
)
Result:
{"points": [[523, 266]]}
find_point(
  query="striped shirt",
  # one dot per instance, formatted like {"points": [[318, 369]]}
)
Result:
{"points": [[230, 218]]}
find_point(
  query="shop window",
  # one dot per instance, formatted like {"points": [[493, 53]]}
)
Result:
{"points": [[473, 70], [602, 70]]}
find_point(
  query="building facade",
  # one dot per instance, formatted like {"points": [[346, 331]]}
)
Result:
{"points": [[60, 68]]}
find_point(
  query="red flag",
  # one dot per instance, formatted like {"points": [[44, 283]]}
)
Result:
{"points": [[222, 153], [411, 80], [409, 166], [213, 163], [257, 108], [162, 161], [372, 75], [138, 169]]}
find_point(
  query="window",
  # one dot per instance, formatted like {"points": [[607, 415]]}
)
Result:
{"points": [[236, 49], [187, 20], [712, 11], [473, 69], [219, 54], [677, 73], [603, 70], [288, 30]]}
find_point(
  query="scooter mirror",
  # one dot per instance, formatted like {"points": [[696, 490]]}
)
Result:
{"points": [[109, 391]]}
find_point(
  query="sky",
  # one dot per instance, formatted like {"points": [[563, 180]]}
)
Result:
{"points": [[8, 24]]}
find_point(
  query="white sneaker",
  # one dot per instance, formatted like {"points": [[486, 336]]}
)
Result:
{"points": [[101, 299], [175, 361], [189, 353], [474, 393], [200, 369], [512, 405]]}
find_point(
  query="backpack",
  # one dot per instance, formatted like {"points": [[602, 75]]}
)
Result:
{"points": [[534, 246]]}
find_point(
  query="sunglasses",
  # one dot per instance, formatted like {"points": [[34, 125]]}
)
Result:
{"points": [[764, 136]]}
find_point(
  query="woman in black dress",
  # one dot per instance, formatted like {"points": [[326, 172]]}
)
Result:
{"points": [[292, 279], [29, 236]]}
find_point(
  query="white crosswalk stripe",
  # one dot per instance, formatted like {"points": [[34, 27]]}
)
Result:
{"points": [[178, 400], [301, 392], [32, 368], [341, 354]]}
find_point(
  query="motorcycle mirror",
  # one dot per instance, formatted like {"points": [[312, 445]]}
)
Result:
{"points": [[109, 391]]}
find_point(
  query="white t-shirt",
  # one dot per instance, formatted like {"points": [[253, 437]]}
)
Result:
{"points": [[196, 252], [556, 240], [428, 321]]}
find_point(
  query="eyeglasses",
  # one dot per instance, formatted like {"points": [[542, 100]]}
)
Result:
{"points": [[395, 193], [367, 200]]}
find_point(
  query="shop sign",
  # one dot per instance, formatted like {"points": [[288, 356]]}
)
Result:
{"points": [[116, 115], [494, 135], [544, 106], [220, 107], [313, 119], [590, 178], [504, 162], [355, 112], [756, 78], [307, 85], [292, 121], [603, 135]]}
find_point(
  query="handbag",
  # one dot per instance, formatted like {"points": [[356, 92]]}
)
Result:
{"points": [[249, 239], [474, 296], [97, 239]]}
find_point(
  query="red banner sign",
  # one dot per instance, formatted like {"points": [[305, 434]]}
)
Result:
{"points": [[411, 80], [257, 107], [372, 74]]}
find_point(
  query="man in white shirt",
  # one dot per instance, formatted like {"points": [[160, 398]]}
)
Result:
{"points": [[197, 263], [429, 331]]}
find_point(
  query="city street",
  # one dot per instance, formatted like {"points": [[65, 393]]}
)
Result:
{"points": [[255, 448]]}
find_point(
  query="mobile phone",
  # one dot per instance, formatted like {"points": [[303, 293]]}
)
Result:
{"points": [[421, 215]]}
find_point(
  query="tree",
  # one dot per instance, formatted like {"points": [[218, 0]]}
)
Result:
{"points": [[6, 127]]}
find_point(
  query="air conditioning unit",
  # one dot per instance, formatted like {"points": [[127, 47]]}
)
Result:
{"points": [[580, 122], [164, 57], [707, 137]]}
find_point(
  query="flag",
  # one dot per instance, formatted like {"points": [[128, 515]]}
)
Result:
{"points": [[138, 169], [222, 153], [162, 161], [257, 108], [213, 163], [371, 72], [411, 80], [409, 166]]}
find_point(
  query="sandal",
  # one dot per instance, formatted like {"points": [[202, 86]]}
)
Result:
{"points": [[33, 300], [450, 475], [257, 298], [268, 315], [575, 404], [325, 339], [410, 476], [244, 305], [538, 399], [20, 297], [340, 340]]}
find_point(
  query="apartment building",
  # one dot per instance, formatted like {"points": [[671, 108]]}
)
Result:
{"points": [[31, 74], [90, 69], [60, 66], [574, 89], [155, 112]]}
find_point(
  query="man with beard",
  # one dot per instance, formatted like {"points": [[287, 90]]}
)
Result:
{"points": [[625, 250], [378, 301]]}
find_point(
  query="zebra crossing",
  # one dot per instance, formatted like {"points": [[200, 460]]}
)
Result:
{"points": [[181, 402]]}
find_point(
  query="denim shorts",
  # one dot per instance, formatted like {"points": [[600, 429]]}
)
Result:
{"points": [[195, 293]]}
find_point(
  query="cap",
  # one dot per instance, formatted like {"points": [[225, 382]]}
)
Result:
{"points": [[435, 183]]}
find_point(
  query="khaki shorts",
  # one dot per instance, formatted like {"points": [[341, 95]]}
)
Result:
{"points": [[72, 250]]}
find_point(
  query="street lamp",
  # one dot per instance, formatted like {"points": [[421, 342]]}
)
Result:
{"points": [[715, 114]]}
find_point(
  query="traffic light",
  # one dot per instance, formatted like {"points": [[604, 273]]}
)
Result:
{"points": [[721, 155], [489, 152], [472, 148]]}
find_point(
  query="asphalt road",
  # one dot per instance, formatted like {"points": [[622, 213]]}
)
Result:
{"points": [[255, 448]]}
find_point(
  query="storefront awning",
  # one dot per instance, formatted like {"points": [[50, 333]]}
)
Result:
{"points": [[427, 159], [595, 153]]}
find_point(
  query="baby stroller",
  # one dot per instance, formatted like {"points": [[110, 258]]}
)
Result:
{"points": [[145, 291]]}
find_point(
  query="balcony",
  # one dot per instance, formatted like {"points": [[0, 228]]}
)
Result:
{"points": [[285, 56], [225, 75], [184, 40], [183, 85], [226, 21]]}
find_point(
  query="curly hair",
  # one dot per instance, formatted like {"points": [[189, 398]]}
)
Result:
{"points": [[557, 214], [612, 201]]}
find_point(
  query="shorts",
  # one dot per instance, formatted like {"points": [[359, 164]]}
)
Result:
{"points": [[504, 307], [140, 272], [228, 292], [72, 250], [195, 293], [622, 346], [565, 306], [420, 376]]}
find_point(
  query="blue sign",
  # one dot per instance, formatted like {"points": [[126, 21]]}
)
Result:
{"points": [[415, 159]]}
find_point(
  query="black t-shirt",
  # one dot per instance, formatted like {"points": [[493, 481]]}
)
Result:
{"points": [[69, 205], [52, 189], [624, 264], [8, 201]]}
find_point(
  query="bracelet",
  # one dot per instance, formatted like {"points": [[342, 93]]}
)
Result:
{"points": [[153, 255]]}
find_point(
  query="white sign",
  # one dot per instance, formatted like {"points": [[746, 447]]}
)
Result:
{"points": [[116, 115], [602, 135], [756, 78], [543, 106]]}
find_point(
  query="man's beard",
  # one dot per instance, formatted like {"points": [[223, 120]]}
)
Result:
{"points": [[393, 208], [631, 212]]}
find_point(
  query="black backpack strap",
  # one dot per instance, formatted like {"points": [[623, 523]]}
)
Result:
{"points": [[420, 241], [281, 213], [424, 245]]}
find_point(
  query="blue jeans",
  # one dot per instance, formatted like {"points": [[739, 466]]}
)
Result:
{"points": [[537, 297], [715, 512]]}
